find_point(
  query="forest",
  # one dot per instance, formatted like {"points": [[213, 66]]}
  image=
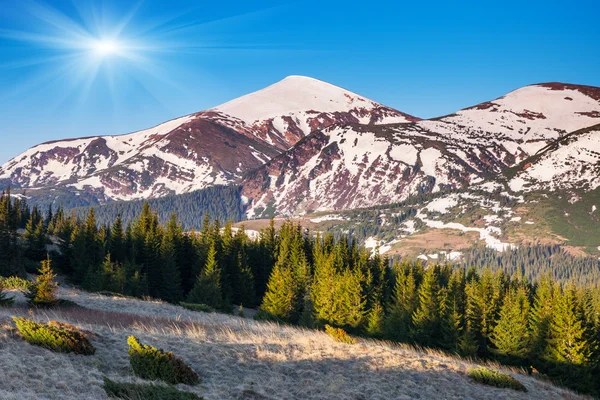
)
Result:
{"points": [[294, 277]]}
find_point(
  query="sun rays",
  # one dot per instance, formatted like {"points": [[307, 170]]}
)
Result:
{"points": [[88, 49]]}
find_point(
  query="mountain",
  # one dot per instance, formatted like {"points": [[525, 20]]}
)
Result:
{"points": [[195, 151], [351, 165], [570, 163], [303, 145]]}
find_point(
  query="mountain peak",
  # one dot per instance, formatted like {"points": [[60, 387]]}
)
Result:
{"points": [[291, 95]]}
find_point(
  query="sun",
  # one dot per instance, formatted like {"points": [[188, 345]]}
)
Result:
{"points": [[105, 47]]}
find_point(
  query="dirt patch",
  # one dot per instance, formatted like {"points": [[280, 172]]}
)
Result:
{"points": [[435, 239]]}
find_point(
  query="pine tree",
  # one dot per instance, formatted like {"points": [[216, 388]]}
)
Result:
{"points": [[117, 241], [43, 292], [452, 311], [208, 285], [541, 314], [170, 288], [426, 318], [567, 339], [398, 323], [35, 236], [279, 298], [375, 321], [511, 335]]}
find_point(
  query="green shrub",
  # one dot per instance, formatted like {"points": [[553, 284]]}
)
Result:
{"points": [[54, 335], [197, 307], [146, 391], [16, 283], [339, 335], [151, 363], [495, 378]]}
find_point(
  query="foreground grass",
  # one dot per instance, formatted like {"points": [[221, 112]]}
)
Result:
{"points": [[236, 358], [497, 379], [145, 391]]}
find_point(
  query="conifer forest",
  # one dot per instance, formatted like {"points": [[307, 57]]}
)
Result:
{"points": [[496, 311]]}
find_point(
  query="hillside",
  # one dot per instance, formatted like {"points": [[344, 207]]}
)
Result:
{"points": [[236, 358]]}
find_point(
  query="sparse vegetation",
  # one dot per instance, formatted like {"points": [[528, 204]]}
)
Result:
{"points": [[145, 391], [149, 362], [16, 283], [197, 307], [241, 359], [55, 336], [339, 335], [497, 379]]}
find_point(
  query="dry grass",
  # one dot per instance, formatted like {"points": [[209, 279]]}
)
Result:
{"points": [[236, 358]]}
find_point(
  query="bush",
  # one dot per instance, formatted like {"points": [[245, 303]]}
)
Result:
{"points": [[16, 283], [147, 391], [43, 291], [339, 335], [197, 307], [495, 378], [151, 363], [54, 335]]}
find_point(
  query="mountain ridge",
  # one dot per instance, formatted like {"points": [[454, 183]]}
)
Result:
{"points": [[352, 152]]}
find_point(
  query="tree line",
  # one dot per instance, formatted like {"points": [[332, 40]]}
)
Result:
{"points": [[296, 278]]}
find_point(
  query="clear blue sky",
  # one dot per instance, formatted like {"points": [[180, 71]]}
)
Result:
{"points": [[71, 68]]}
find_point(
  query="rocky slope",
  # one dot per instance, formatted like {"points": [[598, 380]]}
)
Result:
{"points": [[351, 165]]}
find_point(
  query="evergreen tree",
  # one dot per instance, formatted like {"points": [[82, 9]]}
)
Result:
{"points": [[375, 321], [170, 288], [43, 292], [511, 335], [117, 241], [398, 323], [452, 311], [567, 339], [426, 318], [279, 299], [208, 286], [541, 314]]}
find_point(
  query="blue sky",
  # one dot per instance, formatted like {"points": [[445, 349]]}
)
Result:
{"points": [[59, 78]]}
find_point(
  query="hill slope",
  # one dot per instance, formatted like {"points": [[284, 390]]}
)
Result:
{"points": [[236, 359]]}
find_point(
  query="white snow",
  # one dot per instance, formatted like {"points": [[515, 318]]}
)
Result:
{"points": [[516, 219], [329, 217], [484, 234], [405, 153], [294, 94], [442, 204]]}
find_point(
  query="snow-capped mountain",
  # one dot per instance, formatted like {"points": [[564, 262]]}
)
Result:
{"points": [[189, 153], [285, 112], [352, 166], [304, 145], [571, 163]]}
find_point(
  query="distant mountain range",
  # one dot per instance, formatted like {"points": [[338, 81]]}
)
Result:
{"points": [[303, 145]]}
